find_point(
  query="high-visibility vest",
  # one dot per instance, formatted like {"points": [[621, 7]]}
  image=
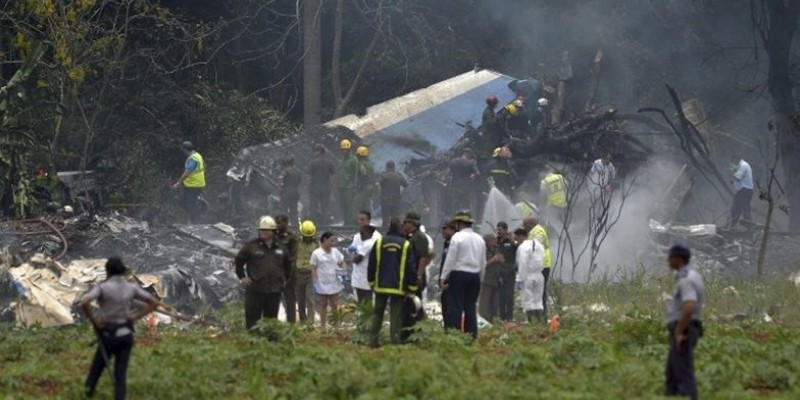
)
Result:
{"points": [[556, 190], [379, 248], [540, 232], [196, 179]]}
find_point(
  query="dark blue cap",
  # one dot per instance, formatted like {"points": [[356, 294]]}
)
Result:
{"points": [[679, 250]]}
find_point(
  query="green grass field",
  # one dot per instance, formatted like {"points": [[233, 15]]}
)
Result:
{"points": [[616, 354]]}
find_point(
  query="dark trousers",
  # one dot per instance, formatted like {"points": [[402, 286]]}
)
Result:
{"points": [[741, 206], [345, 197], [319, 207], [289, 202], [118, 348], [188, 202], [679, 374], [489, 303], [445, 310], [389, 209], [260, 305], [463, 291], [396, 318], [305, 295], [290, 298], [364, 296], [546, 273], [507, 280]]}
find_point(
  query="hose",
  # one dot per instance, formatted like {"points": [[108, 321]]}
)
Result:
{"points": [[60, 236]]}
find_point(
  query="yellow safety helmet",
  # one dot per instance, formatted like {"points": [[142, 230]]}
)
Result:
{"points": [[345, 144], [362, 151], [497, 152], [307, 228], [511, 109], [267, 223]]}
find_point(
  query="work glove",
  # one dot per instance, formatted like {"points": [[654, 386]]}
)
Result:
{"points": [[352, 249]]}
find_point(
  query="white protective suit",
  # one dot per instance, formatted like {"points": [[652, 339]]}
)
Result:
{"points": [[530, 261], [363, 247]]}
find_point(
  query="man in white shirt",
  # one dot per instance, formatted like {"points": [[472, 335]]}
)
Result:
{"points": [[361, 248], [743, 190], [602, 175], [530, 261], [462, 273]]}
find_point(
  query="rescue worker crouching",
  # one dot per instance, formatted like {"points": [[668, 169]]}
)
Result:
{"points": [[263, 266], [392, 273]]}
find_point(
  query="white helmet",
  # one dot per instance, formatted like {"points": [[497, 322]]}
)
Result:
{"points": [[543, 102], [267, 223]]}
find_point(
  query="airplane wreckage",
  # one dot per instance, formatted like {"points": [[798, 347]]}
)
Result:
{"points": [[47, 263]]}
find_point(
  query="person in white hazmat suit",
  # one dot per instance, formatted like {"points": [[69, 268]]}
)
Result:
{"points": [[530, 263]]}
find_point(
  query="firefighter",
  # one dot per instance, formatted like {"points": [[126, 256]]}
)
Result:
{"points": [[290, 188], [305, 285], [291, 242], [192, 181], [346, 179], [501, 171], [421, 245], [364, 181], [538, 232], [391, 186], [491, 127], [392, 273], [263, 267]]}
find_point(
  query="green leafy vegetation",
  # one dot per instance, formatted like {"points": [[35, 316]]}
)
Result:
{"points": [[619, 353]]}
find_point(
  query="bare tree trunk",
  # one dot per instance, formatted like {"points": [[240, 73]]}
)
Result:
{"points": [[341, 101], [776, 21], [312, 64]]}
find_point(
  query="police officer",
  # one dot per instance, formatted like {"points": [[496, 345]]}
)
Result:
{"points": [[508, 271], [290, 188], [391, 186], [346, 178], [448, 230], [684, 324], [263, 267], [192, 181], [392, 273], [114, 324], [291, 242]]}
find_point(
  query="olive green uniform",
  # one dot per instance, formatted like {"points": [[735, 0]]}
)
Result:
{"points": [[291, 242], [346, 179], [391, 183], [364, 185], [269, 267], [305, 286]]}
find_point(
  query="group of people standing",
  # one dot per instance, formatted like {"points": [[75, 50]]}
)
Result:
{"points": [[354, 183]]}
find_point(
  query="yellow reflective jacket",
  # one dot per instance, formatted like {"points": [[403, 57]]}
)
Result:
{"points": [[539, 232], [556, 190], [196, 179]]}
